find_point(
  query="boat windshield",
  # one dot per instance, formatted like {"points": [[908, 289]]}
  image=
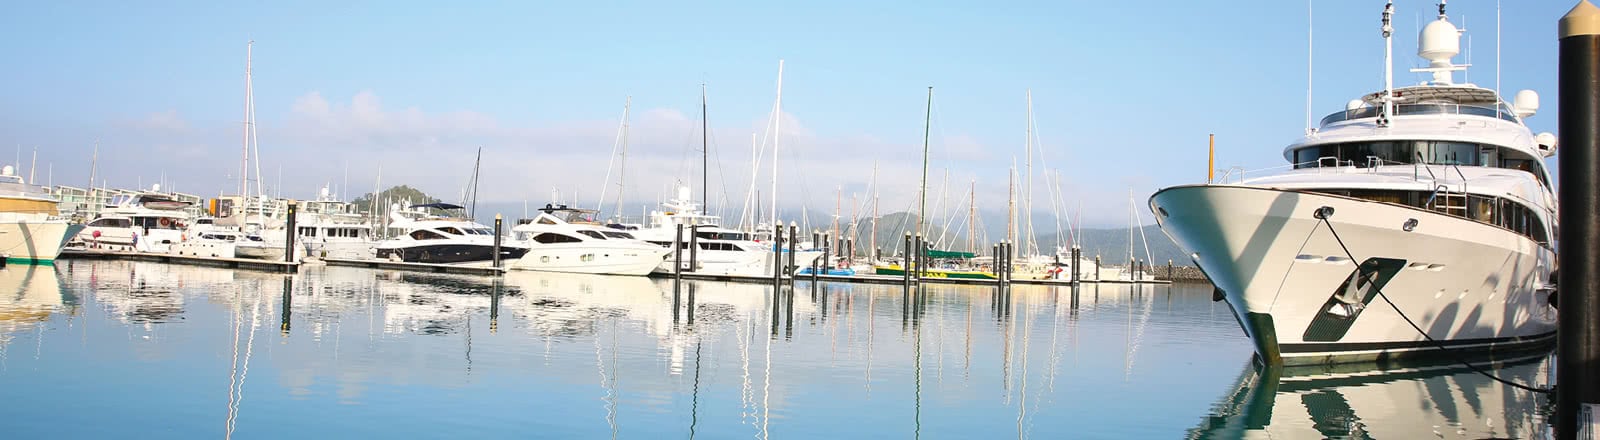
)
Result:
{"points": [[1381, 153], [720, 235], [1503, 112], [622, 235]]}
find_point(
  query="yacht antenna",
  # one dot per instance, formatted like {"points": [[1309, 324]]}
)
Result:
{"points": [[33, 165], [1388, 64], [1309, 22], [1497, 57]]}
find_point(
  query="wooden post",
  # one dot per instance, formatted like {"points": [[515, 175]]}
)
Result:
{"points": [[498, 224], [288, 246]]}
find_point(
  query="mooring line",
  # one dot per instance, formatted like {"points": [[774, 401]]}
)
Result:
{"points": [[1458, 358]]}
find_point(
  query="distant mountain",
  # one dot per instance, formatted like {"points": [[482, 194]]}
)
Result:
{"points": [[1112, 246]]}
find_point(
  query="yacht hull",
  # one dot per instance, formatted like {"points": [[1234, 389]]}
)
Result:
{"points": [[592, 258], [450, 253], [346, 250], [1302, 301], [32, 242]]}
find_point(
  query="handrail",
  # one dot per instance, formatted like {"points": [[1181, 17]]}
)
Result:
{"points": [[1435, 194]]}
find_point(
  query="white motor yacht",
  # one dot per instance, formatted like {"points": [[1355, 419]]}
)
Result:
{"points": [[1419, 217], [563, 239], [143, 222], [210, 242], [721, 251], [31, 229], [341, 236], [444, 240]]}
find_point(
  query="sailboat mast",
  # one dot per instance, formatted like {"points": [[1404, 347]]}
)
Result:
{"points": [[1028, 188], [972, 217], [922, 188], [705, 153], [94, 165], [472, 211], [777, 124], [1011, 203], [244, 134], [838, 198], [622, 158]]}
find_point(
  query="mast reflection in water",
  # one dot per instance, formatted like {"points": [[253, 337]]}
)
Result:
{"points": [[109, 349]]}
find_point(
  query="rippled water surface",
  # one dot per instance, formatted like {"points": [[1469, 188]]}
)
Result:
{"points": [[120, 349]]}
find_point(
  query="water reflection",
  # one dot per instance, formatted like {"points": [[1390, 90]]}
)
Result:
{"points": [[1444, 401], [564, 355]]}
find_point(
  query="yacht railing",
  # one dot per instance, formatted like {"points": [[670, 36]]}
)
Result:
{"points": [[1422, 109]]}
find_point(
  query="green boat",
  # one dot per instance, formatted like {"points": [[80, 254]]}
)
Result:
{"points": [[896, 270]]}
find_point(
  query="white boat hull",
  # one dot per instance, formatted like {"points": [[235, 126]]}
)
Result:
{"points": [[33, 241], [346, 250], [1469, 285], [206, 248], [592, 258]]}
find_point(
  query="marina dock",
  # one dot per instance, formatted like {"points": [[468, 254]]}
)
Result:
{"points": [[234, 263]]}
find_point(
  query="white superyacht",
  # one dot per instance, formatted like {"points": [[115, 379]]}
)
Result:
{"points": [[1420, 217]]}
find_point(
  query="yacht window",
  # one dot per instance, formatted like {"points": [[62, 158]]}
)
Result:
{"points": [[621, 235], [424, 234], [451, 230], [594, 234], [308, 232], [551, 237], [1504, 213], [204, 221], [483, 231], [111, 223]]}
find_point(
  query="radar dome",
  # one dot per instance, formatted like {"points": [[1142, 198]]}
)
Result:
{"points": [[1525, 104], [155, 187], [8, 171], [1439, 42], [1547, 143], [1354, 104]]}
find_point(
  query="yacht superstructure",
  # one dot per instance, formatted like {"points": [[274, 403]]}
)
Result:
{"points": [[1418, 217]]}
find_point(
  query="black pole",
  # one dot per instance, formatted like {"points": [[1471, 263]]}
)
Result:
{"points": [[494, 306], [677, 257], [1077, 254], [1578, 343], [916, 244], [288, 303], [905, 261], [777, 265], [691, 303], [850, 250], [288, 246], [794, 234], [1169, 270], [498, 224], [1097, 268], [694, 246], [1056, 262]]}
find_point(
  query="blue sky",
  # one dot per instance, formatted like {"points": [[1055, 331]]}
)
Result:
{"points": [[1124, 94]]}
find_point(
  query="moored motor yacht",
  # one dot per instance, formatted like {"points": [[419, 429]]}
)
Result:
{"points": [[563, 239], [444, 240], [720, 251], [31, 229], [143, 222], [1418, 218]]}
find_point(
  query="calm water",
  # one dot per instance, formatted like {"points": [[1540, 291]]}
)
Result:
{"points": [[118, 349]]}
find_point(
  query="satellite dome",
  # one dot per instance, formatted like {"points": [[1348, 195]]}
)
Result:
{"points": [[8, 171], [1439, 42]]}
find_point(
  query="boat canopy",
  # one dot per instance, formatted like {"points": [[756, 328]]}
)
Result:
{"points": [[934, 253]]}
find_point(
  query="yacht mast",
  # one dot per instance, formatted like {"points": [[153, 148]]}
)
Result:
{"points": [[1027, 212], [244, 134], [777, 125], [617, 145], [622, 156], [972, 217], [705, 152], [838, 198], [1011, 202], [922, 189], [1388, 64]]}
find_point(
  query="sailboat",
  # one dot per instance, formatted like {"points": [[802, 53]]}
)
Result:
{"points": [[948, 269]]}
